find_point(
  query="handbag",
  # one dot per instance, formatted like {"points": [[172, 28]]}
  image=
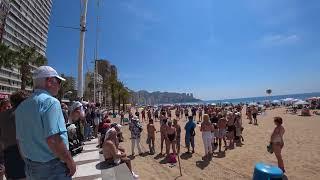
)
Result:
{"points": [[269, 148], [148, 141]]}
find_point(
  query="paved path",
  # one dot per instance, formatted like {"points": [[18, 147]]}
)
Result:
{"points": [[87, 162]]}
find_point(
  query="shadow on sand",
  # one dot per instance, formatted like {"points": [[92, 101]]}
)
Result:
{"points": [[284, 177], [159, 156], [204, 163], [186, 156], [103, 165], [221, 154]]}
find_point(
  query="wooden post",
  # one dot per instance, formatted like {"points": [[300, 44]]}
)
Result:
{"points": [[179, 165]]}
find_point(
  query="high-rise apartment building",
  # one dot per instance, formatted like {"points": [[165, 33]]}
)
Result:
{"points": [[25, 24]]}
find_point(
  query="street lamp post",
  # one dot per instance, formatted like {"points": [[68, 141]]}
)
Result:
{"points": [[81, 49]]}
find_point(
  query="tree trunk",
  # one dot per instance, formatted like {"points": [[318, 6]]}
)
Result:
{"points": [[123, 105], [119, 102], [24, 73], [113, 101]]}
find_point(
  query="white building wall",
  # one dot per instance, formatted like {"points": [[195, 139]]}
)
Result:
{"points": [[27, 24]]}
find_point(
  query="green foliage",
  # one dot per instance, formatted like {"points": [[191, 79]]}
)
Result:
{"points": [[24, 58], [7, 56], [67, 89]]}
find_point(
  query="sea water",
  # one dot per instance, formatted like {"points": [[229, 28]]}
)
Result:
{"points": [[303, 96]]}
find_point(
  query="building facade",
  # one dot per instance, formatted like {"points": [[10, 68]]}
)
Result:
{"points": [[25, 24], [89, 87]]}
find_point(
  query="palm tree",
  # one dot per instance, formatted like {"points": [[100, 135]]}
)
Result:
{"points": [[7, 56], [25, 58], [105, 90], [113, 88], [120, 88], [125, 98]]}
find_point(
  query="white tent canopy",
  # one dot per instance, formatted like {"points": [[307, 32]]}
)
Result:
{"points": [[300, 102], [288, 99], [253, 104], [276, 101]]}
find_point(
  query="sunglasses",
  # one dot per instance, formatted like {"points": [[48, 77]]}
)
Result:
{"points": [[56, 80]]}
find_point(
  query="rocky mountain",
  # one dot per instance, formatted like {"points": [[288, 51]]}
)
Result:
{"points": [[151, 98]]}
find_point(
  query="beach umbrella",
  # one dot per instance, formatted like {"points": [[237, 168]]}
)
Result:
{"points": [[300, 102], [213, 104], [275, 101], [313, 98], [288, 99], [225, 103], [253, 104]]}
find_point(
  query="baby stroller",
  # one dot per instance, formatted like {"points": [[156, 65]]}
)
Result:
{"points": [[75, 144]]}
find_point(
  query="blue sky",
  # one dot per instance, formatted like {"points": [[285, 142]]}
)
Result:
{"points": [[215, 49]]}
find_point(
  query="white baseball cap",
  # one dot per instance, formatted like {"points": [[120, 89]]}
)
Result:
{"points": [[45, 72], [75, 105]]}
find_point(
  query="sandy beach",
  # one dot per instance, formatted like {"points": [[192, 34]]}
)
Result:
{"points": [[301, 153]]}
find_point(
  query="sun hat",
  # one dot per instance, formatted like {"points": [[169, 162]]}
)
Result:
{"points": [[110, 132], [75, 105], [45, 72]]}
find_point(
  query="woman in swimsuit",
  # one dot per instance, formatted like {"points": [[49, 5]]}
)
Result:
{"points": [[277, 141], [171, 138], [206, 128]]}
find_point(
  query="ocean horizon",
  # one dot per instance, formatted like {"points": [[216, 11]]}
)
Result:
{"points": [[302, 96]]}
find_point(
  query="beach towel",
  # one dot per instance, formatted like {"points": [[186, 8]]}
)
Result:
{"points": [[172, 159]]}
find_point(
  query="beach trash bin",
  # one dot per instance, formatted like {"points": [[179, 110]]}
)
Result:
{"points": [[264, 171]]}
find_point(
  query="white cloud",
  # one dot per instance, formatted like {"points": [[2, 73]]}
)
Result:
{"points": [[279, 39]]}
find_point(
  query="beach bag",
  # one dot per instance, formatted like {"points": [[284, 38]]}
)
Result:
{"points": [[269, 148], [172, 159], [148, 140], [192, 132]]}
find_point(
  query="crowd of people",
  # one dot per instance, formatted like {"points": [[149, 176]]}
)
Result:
{"points": [[40, 135], [217, 124]]}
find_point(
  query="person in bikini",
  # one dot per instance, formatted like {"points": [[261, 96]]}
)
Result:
{"points": [[222, 124], [254, 115], [151, 136], [171, 139], [249, 114], [177, 113], [112, 155], [277, 141], [143, 115], [178, 129], [163, 133], [206, 128], [231, 128]]}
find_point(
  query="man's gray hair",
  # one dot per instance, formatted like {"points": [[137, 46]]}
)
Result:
{"points": [[39, 83]]}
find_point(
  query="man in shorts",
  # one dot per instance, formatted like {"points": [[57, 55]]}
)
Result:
{"points": [[114, 156]]}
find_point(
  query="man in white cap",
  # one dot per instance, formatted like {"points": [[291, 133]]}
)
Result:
{"points": [[41, 131], [136, 130]]}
